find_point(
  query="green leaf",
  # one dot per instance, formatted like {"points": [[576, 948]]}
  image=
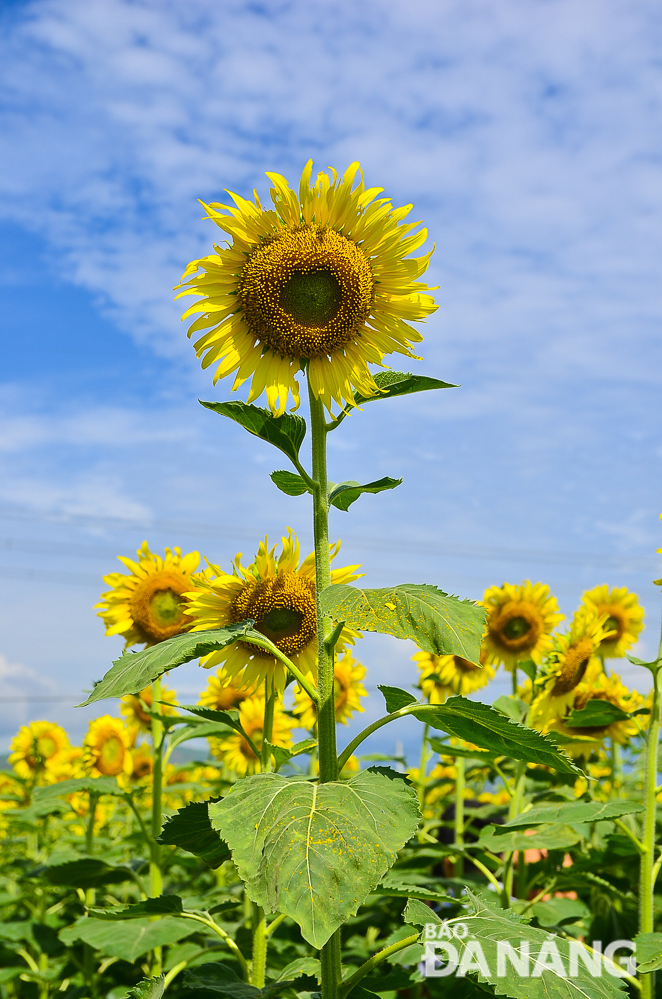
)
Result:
{"points": [[394, 383], [283, 755], [511, 707], [417, 913], [446, 749], [190, 829], [649, 952], [395, 697], [435, 621], [164, 905], [289, 483], [76, 785], [551, 836], [301, 966], [492, 929], [315, 851], [130, 939], [576, 811], [557, 911], [343, 494], [596, 714], [134, 671], [479, 723], [229, 718], [149, 988], [218, 977], [285, 432], [86, 872]]}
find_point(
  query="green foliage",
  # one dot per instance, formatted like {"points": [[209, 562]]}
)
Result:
{"points": [[190, 829], [341, 495], [598, 714], [479, 723], [129, 939], [576, 811], [395, 697], [315, 852], [164, 905], [649, 952], [76, 785], [437, 622], [134, 671], [290, 483], [417, 913], [552, 836], [149, 988], [394, 383], [285, 432], [218, 977], [84, 872]]}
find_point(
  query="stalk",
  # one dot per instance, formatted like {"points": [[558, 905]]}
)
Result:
{"points": [[422, 767], [326, 714], [459, 813], [646, 882], [155, 876], [258, 917], [88, 952]]}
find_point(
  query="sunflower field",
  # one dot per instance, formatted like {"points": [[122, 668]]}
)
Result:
{"points": [[517, 855]]}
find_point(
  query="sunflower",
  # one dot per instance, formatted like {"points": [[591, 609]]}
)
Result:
{"points": [[134, 707], [520, 620], [221, 695], [142, 763], [573, 658], [348, 690], [625, 618], [39, 750], [148, 604], [280, 597], [234, 750], [318, 282], [600, 688], [441, 676], [107, 748]]}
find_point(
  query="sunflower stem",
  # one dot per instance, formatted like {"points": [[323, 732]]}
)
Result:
{"points": [[459, 814], [326, 712], [646, 882], [267, 726], [514, 676]]}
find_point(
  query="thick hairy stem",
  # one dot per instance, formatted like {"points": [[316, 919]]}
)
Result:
{"points": [[646, 884], [258, 918], [326, 712], [422, 768], [268, 725]]}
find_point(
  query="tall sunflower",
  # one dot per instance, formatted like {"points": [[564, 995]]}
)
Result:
{"points": [[148, 604], [625, 618], [221, 695], [40, 749], [520, 620], [235, 751], [348, 691], [441, 676], [280, 597], [134, 707], [601, 688], [318, 282], [572, 659], [107, 748]]}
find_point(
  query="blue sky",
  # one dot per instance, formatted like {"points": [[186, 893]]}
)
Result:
{"points": [[527, 136]]}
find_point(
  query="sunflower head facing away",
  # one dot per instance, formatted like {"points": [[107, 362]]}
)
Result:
{"points": [[348, 690], [148, 605], [40, 748], [520, 620], [625, 618], [319, 281], [279, 595], [235, 751], [107, 748], [441, 676]]}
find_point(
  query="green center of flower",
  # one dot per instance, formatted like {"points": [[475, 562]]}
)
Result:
{"points": [[311, 298], [279, 623], [165, 607], [517, 627]]}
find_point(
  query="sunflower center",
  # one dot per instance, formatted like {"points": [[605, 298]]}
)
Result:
{"points": [[157, 606], [46, 747], [283, 609], [615, 625], [574, 666], [307, 291], [517, 626], [110, 761]]}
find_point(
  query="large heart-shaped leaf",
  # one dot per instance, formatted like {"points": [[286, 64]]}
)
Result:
{"points": [[134, 671], [315, 851], [545, 837], [130, 939], [190, 829], [163, 905], [437, 622], [285, 432], [576, 811]]}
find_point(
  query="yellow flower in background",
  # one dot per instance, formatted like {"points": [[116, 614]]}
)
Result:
{"points": [[348, 691], [133, 706], [441, 676], [520, 620], [38, 749], [601, 688], [147, 605], [573, 655], [12, 795], [107, 748], [625, 618], [320, 280], [221, 695], [142, 763], [182, 784], [280, 597], [234, 750]]}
